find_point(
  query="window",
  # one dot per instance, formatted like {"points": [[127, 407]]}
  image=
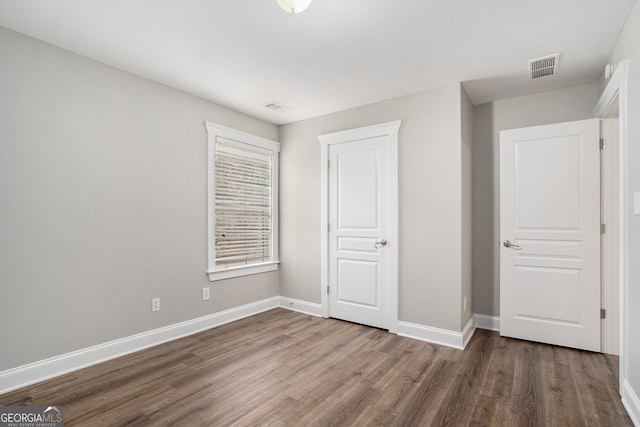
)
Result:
{"points": [[243, 201]]}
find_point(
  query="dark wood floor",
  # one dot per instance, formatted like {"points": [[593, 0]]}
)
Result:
{"points": [[284, 368]]}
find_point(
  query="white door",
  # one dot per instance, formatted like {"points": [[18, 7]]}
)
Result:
{"points": [[361, 204], [550, 234]]}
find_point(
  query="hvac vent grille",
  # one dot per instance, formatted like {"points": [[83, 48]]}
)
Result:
{"points": [[276, 107], [542, 67]]}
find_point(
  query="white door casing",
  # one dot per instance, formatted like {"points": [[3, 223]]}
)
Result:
{"points": [[614, 103], [359, 208], [550, 213], [609, 214]]}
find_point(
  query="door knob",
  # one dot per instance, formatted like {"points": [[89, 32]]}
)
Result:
{"points": [[382, 242], [508, 244]]}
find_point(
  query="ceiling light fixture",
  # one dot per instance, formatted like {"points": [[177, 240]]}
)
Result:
{"points": [[294, 6]]}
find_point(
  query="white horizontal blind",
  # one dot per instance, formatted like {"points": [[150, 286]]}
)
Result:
{"points": [[243, 207]]}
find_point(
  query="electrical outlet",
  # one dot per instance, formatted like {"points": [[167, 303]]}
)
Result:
{"points": [[205, 294], [464, 304], [636, 203], [155, 304]]}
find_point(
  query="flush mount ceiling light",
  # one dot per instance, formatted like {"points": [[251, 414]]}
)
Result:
{"points": [[294, 6]]}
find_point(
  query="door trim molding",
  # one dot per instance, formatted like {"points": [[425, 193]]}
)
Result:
{"points": [[609, 249], [612, 100], [390, 130]]}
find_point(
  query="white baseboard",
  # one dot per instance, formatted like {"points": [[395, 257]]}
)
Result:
{"points": [[631, 402], [483, 321], [436, 335], [300, 306], [32, 373], [467, 332]]}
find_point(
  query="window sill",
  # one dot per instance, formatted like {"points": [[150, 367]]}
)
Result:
{"points": [[243, 270]]}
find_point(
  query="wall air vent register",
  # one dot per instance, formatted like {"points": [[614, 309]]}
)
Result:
{"points": [[544, 66]]}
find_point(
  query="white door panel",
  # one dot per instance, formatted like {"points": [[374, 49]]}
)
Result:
{"points": [[534, 284], [358, 282], [358, 187], [542, 169], [550, 212]]}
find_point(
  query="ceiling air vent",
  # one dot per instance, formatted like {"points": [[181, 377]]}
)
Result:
{"points": [[277, 107], [542, 67]]}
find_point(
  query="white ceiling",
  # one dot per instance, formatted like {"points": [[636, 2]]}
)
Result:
{"points": [[338, 53]]}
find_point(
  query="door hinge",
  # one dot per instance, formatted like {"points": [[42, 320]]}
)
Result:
{"points": [[602, 144], [603, 313], [327, 289], [603, 229]]}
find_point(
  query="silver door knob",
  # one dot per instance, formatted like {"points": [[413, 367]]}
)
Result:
{"points": [[508, 244], [382, 242]]}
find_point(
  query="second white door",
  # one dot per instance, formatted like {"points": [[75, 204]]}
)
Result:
{"points": [[550, 233]]}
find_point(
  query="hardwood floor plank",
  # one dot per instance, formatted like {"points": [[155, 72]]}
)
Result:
{"points": [[282, 368], [427, 396], [501, 380], [528, 389], [462, 396], [596, 405], [559, 390]]}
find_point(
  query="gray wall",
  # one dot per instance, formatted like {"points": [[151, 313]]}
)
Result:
{"points": [[574, 103], [430, 196], [467, 204], [103, 203], [632, 304], [628, 47]]}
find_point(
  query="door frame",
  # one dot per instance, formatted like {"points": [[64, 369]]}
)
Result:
{"points": [[389, 130], [609, 258], [614, 100]]}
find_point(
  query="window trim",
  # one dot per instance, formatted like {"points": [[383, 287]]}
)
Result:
{"points": [[214, 131]]}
